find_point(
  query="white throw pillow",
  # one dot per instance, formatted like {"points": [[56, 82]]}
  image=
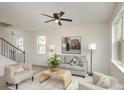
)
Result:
{"points": [[18, 68], [96, 77], [104, 82]]}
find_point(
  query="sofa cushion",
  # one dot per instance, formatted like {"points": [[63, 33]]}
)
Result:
{"points": [[22, 76], [68, 59], [65, 66], [77, 68], [88, 86]]}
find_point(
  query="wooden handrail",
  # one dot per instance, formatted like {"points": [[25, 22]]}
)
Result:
{"points": [[12, 45]]}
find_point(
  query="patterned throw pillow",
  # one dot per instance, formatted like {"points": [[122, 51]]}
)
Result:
{"points": [[74, 61], [78, 61]]}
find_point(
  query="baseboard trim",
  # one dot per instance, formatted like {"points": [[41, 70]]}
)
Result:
{"points": [[38, 65]]}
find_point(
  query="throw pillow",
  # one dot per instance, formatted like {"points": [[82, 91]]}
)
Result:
{"points": [[72, 64], [68, 59], [18, 68], [74, 61], [96, 77], [104, 82], [80, 63], [82, 60]]}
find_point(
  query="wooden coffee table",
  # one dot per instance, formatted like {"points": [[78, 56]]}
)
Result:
{"points": [[64, 74]]}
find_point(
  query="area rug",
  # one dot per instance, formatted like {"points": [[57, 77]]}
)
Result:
{"points": [[50, 84]]}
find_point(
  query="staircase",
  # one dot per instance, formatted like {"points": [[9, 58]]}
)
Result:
{"points": [[12, 52]]}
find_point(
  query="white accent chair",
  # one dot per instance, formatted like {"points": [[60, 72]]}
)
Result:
{"points": [[16, 73], [100, 82]]}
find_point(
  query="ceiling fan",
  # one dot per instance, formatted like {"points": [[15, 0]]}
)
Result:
{"points": [[57, 18]]}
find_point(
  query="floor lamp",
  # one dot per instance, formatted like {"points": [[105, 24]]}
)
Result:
{"points": [[91, 47]]}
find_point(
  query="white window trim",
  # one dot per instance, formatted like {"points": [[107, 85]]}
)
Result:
{"points": [[18, 45], [38, 53], [117, 63]]}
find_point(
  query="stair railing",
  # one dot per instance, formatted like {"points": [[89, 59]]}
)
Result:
{"points": [[9, 50]]}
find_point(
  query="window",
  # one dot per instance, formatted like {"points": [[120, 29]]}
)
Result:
{"points": [[20, 43], [118, 39], [41, 45]]}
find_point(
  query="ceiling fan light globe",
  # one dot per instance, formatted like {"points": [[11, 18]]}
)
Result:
{"points": [[56, 20]]}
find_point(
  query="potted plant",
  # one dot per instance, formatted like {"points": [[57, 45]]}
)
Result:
{"points": [[53, 62]]}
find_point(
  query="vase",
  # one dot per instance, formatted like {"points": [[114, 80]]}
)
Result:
{"points": [[54, 69]]}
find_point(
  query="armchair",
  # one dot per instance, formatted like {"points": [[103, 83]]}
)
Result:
{"points": [[16, 73], [100, 82]]}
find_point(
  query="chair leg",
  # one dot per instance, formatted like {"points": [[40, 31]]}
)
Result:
{"points": [[32, 78], [16, 86]]}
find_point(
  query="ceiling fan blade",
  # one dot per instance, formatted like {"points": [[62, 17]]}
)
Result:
{"points": [[47, 15], [59, 23], [64, 19], [61, 13], [49, 21]]}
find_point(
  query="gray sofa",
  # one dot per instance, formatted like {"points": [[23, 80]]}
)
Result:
{"points": [[76, 64]]}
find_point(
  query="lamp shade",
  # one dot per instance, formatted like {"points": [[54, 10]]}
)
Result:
{"points": [[92, 46], [51, 47]]}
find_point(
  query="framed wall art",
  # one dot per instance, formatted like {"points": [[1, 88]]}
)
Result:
{"points": [[71, 45]]}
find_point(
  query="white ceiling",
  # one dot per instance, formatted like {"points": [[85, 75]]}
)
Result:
{"points": [[26, 16]]}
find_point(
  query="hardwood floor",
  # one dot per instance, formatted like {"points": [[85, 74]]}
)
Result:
{"points": [[36, 68], [3, 85]]}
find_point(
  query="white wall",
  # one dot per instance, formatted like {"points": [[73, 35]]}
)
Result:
{"points": [[90, 33], [5, 33]]}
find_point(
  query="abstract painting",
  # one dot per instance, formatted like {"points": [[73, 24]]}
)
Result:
{"points": [[71, 45]]}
